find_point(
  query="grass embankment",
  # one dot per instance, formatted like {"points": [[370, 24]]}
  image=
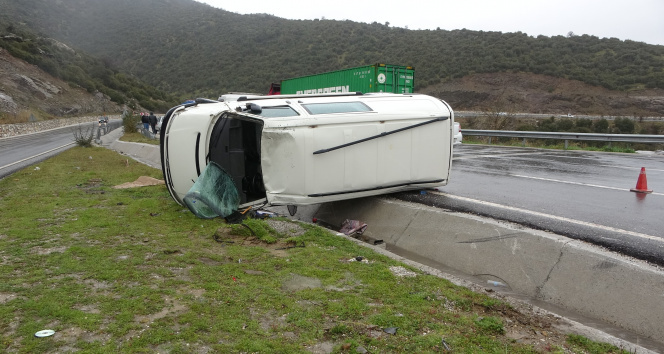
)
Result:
{"points": [[136, 137], [546, 144], [129, 270]]}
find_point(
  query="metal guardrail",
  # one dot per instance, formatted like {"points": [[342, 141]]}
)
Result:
{"points": [[628, 138], [464, 114]]}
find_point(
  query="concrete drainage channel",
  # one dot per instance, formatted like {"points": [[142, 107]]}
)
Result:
{"points": [[581, 281], [571, 278]]}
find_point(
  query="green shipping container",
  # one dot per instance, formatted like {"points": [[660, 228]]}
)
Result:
{"points": [[370, 78]]}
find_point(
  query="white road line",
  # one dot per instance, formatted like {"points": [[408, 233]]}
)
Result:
{"points": [[579, 183], [32, 157], [553, 217], [618, 166], [497, 155]]}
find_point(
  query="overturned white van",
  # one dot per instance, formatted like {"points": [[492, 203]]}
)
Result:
{"points": [[308, 149]]}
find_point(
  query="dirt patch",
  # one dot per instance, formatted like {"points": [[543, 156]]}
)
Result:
{"points": [[142, 181], [349, 282], [538, 330], [181, 273], [298, 282], [46, 251], [97, 285], [268, 321], [278, 249], [73, 334], [286, 228], [402, 272], [210, 262], [88, 309], [172, 309], [322, 348], [4, 297]]}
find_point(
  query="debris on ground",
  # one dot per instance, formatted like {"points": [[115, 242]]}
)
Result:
{"points": [[402, 272], [45, 333], [142, 181], [352, 227], [213, 194], [262, 214]]}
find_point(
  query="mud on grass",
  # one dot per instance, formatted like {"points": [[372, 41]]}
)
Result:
{"points": [[129, 270]]}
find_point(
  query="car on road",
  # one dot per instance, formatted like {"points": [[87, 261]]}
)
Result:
{"points": [[309, 149], [458, 137], [157, 126]]}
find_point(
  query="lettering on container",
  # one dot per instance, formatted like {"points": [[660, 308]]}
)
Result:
{"points": [[334, 89]]}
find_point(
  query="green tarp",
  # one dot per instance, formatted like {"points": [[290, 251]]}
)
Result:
{"points": [[214, 194]]}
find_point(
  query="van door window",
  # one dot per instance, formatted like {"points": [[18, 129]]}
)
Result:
{"points": [[336, 107], [278, 111]]}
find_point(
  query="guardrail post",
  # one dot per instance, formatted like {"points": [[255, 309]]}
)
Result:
{"points": [[566, 144], [524, 142], [489, 140]]}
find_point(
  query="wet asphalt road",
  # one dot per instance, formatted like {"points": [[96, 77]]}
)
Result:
{"points": [[583, 195], [24, 150]]}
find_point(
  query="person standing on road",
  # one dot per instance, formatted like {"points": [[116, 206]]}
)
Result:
{"points": [[153, 122], [146, 123]]}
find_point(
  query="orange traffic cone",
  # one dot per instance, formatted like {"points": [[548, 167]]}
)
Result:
{"points": [[642, 183]]}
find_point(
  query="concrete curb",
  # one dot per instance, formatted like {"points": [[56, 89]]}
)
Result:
{"points": [[570, 274], [145, 153]]}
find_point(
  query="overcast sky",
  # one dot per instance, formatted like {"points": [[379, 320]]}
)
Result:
{"points": [[638, 20]]}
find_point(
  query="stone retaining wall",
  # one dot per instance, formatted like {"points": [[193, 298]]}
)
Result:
{"points": [[8, 130]]}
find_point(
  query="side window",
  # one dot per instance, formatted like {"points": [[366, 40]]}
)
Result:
{"points": [[336, 107], [276, 112]]}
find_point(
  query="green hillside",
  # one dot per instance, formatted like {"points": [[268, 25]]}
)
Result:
{"points": [[186, 47], [80, 69]]}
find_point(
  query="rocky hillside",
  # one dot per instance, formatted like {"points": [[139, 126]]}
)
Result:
{"points": [[29, 94], [532, 93]]}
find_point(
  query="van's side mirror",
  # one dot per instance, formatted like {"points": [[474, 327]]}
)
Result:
{"points": [[254, 108]]}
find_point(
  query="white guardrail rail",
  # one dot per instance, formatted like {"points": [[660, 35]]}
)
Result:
{"points": [[628, 138]]}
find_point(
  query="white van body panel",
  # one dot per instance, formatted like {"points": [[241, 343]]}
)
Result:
{"points": [[295, 167]]}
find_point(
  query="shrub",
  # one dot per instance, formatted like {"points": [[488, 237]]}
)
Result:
{"points": [[564, 125], [651, 128], [84, 136], [547, 125], [623, 126], [130, 123], [584, 123], [601, 126]]}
